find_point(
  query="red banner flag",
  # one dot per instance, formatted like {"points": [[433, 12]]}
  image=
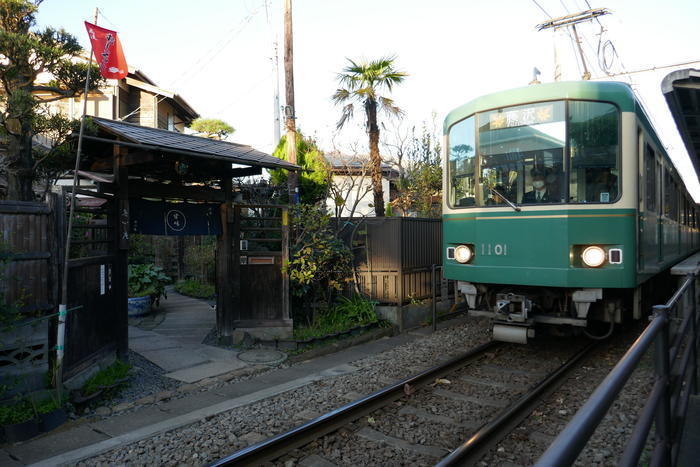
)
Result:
{"points": [[108, 51]]}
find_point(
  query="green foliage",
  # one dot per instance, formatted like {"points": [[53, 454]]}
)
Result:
{"points": [[141, 251], [114, 373], [362, 82], [28, 52], [420, 188], [212, 127], [48, 406], [320, 264], [195, 288], [349, 313], [19, 412], [147, 279], [314, 177], [356, 310], [199, 259]]}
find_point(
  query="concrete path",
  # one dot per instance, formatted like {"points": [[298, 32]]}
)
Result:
{"points": [[175, 343]]}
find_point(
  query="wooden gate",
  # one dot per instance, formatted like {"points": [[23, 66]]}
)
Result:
{"points": [[97, 326], [260, 247]]}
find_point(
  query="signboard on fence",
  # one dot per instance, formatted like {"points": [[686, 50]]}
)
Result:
{"points": [[165, 218]]}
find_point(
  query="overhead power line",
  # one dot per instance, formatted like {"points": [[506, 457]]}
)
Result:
{"points": [[643, 70], [540, 7]]}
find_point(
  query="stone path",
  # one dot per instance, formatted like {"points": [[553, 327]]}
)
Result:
{"points": [[174, 342]]}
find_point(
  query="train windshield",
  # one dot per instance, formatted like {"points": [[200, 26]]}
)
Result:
{"points": [[520, 153]]}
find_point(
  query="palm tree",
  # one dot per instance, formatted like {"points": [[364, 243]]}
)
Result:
{"points": [[361, 83]]}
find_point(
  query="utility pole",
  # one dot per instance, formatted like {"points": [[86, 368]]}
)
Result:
{"points": [[289, 111], [572, 20], [276, 83]]}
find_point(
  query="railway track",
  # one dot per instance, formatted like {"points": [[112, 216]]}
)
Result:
{"points": [[478, 397]]}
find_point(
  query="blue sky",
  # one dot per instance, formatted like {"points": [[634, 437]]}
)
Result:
{"points": [[217, 54]]}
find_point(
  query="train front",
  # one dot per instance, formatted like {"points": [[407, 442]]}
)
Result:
{"points": [[536, 226]]}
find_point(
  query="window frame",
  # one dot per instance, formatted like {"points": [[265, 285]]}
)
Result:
{"points": [[566, 163]]}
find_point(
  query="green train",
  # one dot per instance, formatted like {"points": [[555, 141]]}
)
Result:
{"points": [[561, 209]]}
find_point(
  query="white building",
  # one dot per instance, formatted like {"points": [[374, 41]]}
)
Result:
{"points": [[350, 194]]}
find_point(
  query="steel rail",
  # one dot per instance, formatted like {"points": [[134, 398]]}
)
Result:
{"points": [[472, 449], [277, 446]]}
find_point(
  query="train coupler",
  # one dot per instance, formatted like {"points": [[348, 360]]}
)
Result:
{"points": [[513, 308]]}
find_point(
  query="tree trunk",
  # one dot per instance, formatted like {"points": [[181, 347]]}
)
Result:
{"points": [[20, 173], [375, 158]]}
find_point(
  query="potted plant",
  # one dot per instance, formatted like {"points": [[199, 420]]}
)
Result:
{"points": [[52, 414], [19, 421], [146, 286]]}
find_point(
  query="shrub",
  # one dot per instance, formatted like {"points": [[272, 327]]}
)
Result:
{"points": [[147, 279], [195, 288], [349, 313], [107, 377], [320, 264], [20, 412]]}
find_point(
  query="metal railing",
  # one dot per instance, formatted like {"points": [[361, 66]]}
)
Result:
{"points": [[675, 366]]}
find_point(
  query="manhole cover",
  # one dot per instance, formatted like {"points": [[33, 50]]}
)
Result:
{"points": [[265, 356]]}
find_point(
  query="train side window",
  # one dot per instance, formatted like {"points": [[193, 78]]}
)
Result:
{"points": [[461, 166], [650, 174], [669, 192], [594, 152]]}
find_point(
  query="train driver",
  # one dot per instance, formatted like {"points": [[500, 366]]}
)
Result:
{"points": [[539, 193]]}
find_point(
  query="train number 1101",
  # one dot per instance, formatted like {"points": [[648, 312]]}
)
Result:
{"points": [[498, 249]]}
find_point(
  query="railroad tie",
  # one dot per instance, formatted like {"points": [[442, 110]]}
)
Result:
{"points": [[475, 400], [493, 384], [314, 460], [378, 437], [430, 417]]}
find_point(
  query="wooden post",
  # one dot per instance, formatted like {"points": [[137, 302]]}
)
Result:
{"points": [[290, 112], [401, 291], [121, 253], [235, 281], [286, 311], [224, 289]]}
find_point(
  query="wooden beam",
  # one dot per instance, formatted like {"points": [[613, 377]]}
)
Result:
{"points": [[132, 158], [141, 189], [234, 173]]}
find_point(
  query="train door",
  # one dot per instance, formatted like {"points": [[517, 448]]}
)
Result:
{"points": [[650, 222], [659, 211]]}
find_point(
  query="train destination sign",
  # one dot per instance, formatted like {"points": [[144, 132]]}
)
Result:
{"points": [[521, 116]]}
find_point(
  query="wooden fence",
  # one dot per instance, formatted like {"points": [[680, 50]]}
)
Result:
{"points": [[393, 256], [29, 290]]}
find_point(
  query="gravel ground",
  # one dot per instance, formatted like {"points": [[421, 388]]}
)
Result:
{"points": [[529, 440], [146, 378], [223, 434], [210, 439]]}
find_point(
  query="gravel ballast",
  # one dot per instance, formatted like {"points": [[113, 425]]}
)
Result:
{"points": [[223, 434], [211, 439]]}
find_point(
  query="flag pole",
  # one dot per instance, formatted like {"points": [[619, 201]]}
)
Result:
{"points": [[63, 306]]}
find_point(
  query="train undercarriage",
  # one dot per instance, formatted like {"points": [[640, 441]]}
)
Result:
{"points": [[519, 313]]}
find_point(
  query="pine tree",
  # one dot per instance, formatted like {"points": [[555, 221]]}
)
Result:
{"points": [[25, 53]]}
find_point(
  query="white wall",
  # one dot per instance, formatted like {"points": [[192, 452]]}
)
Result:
{"points": [[361, 189]]}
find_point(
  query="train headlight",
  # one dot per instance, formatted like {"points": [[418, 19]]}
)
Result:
{"points": [[463, 254], [593, 256]]}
